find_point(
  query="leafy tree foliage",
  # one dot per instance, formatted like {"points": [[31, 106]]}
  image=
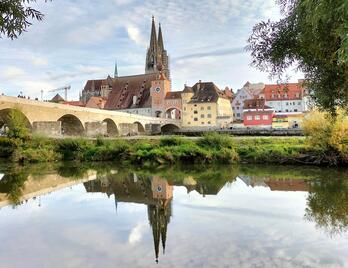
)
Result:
{"points": [[313, 36], [16, 17], [18, 125]]}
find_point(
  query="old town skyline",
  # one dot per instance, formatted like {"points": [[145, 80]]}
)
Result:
{"points": [[72, 56]]}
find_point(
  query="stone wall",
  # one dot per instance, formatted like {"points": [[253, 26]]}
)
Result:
{"points": [[94, 129], [126, 129], [48, 128]]}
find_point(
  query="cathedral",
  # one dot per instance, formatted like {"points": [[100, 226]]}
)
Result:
{"points": [[143, 94], [156, 54]]}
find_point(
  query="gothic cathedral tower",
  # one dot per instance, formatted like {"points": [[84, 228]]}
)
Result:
{"points": [[156, 54]]}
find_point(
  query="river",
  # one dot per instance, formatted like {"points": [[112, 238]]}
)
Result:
{"points": [[106, 215]]}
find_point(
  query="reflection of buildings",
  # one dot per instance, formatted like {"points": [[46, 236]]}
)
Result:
{"points": [[156, 193], [291, 185]]}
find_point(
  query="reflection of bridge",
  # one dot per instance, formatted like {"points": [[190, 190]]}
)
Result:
{"points": [[56, 119]]}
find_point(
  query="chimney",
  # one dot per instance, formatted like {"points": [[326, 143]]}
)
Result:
{"points": [[135, 98]]}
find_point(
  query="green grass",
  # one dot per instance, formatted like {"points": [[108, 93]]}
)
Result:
{"points": [[211, 148]]}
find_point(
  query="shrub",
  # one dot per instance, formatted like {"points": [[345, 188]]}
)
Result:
{"points": [[8, 146], [328, 134], [18, 125], [35, 155], [216, 141]]}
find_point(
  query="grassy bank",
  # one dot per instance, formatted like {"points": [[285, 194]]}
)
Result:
{"points": [[212, 148]]}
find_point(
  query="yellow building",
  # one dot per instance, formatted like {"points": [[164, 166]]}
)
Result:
{"points": [[204, 105], [288, 120]]}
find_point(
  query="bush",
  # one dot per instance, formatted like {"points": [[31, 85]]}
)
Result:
{"points": [[35, 155], [8, 146], [328, 134], [216, 141], [18, 125]]}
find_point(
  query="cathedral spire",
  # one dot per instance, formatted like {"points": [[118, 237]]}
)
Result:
{"points": [[160, 39], [116, 71], [153, 40]]}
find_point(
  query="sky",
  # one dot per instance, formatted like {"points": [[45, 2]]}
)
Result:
{"points": [[82, 39]]}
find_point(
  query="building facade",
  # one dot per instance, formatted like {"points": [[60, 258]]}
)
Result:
{"points": [[257, 114], [286, 98], [248, 91], [204, 105]]}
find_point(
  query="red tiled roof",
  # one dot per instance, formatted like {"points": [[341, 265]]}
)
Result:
{"points": [[126, 87], [290, 91], [173, 95], [74, 103], [96, 102]]}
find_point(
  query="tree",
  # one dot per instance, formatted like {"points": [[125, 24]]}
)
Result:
{"points": [[15, 17], [18, 125], [313, 36]]}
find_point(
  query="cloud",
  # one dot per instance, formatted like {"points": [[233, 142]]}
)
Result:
{"points": [[137, 233], [10, 73], [216, 53], [135, 35]]}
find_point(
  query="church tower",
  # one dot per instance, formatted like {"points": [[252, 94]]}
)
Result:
{"points": [[156, 53]]}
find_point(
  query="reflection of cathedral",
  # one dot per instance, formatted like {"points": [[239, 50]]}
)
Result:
{"points": [[156, 193]]}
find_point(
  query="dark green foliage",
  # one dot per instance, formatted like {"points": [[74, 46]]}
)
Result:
{"points": [[15, 17], [18, 125], [314, 36], [8, 146]]}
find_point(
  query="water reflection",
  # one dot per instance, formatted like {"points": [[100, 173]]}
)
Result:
{"points": [[326, 206]]}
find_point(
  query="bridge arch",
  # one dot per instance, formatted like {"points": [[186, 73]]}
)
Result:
{"points": [[71, 125], [140, 127], [173, 113], [169, 128], [8, 114], [111, 127]]}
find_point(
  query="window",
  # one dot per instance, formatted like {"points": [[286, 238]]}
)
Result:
{"points": [[189, 123], [257, 117], [202, 123], [202, 108], [195, 119], [208, 108], [195, 112], [249, 118], [202, 115], [238, 114], [209, 115], [265, 117], [184, 108], [287, 103], [209, 122], [295, 110], [299, 103]]}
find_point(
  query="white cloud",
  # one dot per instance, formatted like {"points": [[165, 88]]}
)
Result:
{"points": [[135, 35], [10, 73], [137, 232]]}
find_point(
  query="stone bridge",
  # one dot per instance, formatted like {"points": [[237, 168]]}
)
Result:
{"points": [[54, 119]]}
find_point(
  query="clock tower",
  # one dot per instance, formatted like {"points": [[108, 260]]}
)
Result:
{"points": [[158, 91]]}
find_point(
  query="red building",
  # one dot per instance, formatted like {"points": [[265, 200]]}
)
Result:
{"points": [[257, 114]]}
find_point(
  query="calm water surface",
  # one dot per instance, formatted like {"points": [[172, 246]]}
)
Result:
{"points": [[109, 216]]}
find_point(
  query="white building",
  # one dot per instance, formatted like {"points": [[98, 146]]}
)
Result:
{"points": [[249, 91]]}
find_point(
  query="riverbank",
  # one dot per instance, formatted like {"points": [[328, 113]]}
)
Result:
{"points": [[212, 148]]}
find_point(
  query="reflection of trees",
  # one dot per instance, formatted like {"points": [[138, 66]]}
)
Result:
{"points": [[13, 185], [328, 205]]}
